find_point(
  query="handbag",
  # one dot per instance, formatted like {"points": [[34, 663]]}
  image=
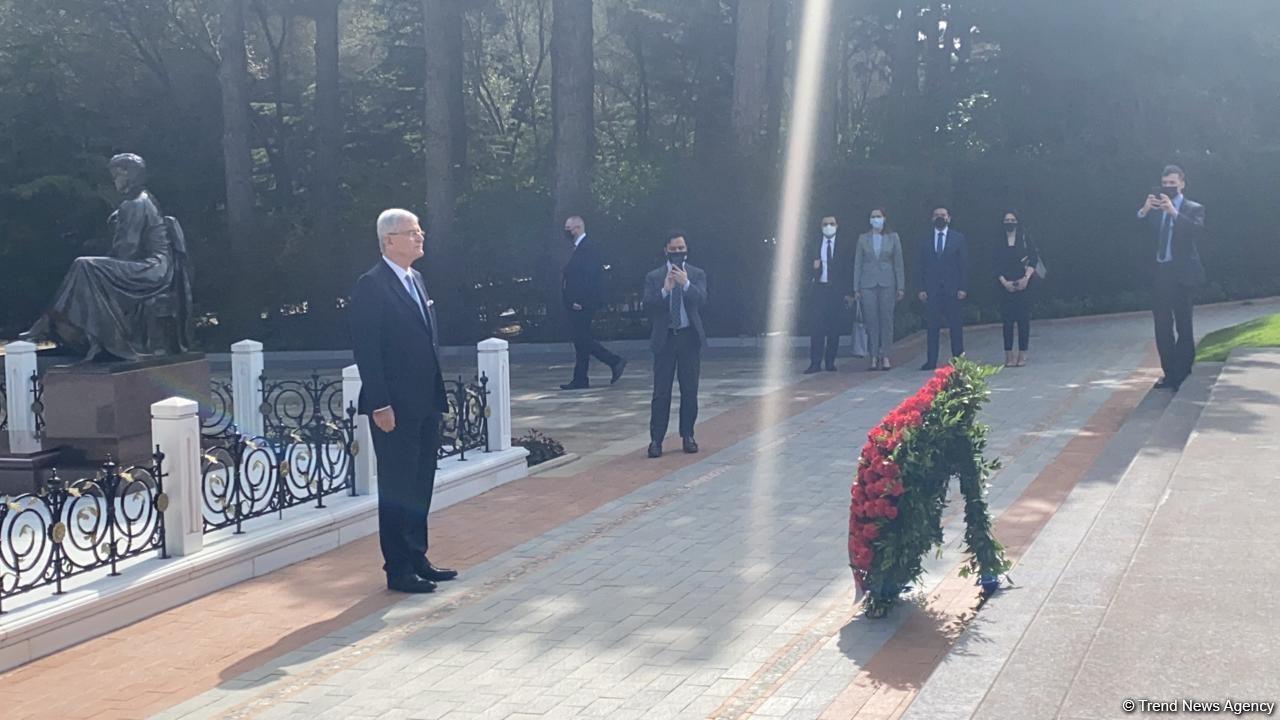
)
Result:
{"points": [[1041, 270], [859, 332]]}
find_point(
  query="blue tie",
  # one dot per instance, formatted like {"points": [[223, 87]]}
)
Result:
{"points": [[937, 243], [1166, 237], [413, 293]]}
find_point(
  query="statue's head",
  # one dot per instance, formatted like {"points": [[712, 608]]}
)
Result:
{"points": [[129, 172]]}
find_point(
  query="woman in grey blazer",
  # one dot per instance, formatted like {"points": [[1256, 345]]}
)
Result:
{"points": [[878, 283]]}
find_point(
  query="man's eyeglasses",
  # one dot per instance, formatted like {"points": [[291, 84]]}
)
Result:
{"points": [[409, 232]]}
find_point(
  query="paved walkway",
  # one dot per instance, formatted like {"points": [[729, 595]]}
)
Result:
{"points": [[694, 586], [1158, 588]]}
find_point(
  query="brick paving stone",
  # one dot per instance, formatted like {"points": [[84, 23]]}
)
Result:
{"points": [[715, 569]]}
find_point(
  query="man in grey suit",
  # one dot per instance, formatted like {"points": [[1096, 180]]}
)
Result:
{"points": [[674, 296]]}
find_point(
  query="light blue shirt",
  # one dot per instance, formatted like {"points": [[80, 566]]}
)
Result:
{"points": [[1165, 253], [407, 282], [877, 241], [684, 316]]}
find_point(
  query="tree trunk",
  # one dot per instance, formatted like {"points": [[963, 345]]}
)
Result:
{"points": [[711, 125], [828, 109], [233, 76], [573, 127], [328, 118], [775, 82], [446, 146], [445, 135], [750, 75]]}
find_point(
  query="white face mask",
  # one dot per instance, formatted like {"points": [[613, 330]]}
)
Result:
{"points": [[877, 223], [828, 230]]}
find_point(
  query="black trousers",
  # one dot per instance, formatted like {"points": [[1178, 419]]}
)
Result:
{"points": [[1015, 311], [829, 318], [1171, 306], [585, 345], [680, 357], [406, 478], [943, 307]]}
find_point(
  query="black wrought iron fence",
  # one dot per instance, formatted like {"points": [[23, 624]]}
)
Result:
{"points": [[217, 421], [68, 529], [308, 446], [465, 425], [36, 388], [306, 453]]}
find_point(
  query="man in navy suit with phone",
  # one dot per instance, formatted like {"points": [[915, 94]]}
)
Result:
{"points": [[944, 284], [1177, 224], [393, 334]]}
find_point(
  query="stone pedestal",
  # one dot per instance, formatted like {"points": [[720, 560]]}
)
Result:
{"points": [[97, 410], [27, 472]]}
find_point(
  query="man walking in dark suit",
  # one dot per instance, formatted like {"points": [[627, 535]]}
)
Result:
{"points": [[831, 296], [1177, 229], [944, 284], [583, 295], [393, 333], [674, 296]]}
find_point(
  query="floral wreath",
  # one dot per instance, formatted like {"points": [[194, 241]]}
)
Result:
{"points": [[900, 491]]}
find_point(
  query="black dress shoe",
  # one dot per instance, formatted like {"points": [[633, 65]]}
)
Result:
{"points": [[410, 584], [435, 574], [618, 369], [812, 369], [690, 445], [575, 386], [928, 366], [1165, 382], [655, 449], [831, 368]]}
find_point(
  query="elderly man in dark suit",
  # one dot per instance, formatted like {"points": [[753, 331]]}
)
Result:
{"points": [[1177, 229], [393, 333], [583, 295], [944, 284], [674, 295]]}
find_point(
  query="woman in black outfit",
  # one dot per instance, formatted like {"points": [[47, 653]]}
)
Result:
{"points": [[1014, 261]]}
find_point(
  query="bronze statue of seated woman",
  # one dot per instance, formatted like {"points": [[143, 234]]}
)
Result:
{"points": [[136, 302]]}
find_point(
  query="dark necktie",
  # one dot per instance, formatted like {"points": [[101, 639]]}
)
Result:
{"points": [[937, 243], [417, 300], [1166, 238], [830, 257], [677, 301]]}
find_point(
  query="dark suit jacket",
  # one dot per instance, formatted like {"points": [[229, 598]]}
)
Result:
{"points": [[394, 349], [840, 268], [948, 274], [658, 308], [1188, 229], [583, 278]]}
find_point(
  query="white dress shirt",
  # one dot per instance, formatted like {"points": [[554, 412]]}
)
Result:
{"points": [[826, 242], [684, 316]]}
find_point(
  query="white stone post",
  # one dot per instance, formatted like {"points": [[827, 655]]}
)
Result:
{"points": [[175, 428], [19, 366], [495, 363], [246, 388], [366, 466]]}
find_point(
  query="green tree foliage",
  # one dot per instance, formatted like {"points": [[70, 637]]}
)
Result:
{"points": [[1065, 111]]}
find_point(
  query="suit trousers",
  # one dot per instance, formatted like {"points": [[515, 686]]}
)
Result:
{"points": [[877, 315], [944, 307], [406, 478], [680, 356], [1015, 312], [829, 319], [1171, 306], [585, 346]]}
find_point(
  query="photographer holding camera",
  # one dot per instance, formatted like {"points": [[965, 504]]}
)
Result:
{"points": [[1177, 228]]}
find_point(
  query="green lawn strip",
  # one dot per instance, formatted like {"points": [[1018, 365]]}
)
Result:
{"points": [[1259, 332]]}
